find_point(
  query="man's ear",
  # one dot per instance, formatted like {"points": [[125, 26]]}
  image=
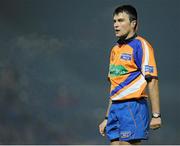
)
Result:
{"points": [[133, 23]]}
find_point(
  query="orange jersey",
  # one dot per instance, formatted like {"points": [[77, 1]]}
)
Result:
{"points": [[131, 62]]}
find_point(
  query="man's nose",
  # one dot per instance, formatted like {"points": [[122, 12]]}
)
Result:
{"points": [[115, 25]]}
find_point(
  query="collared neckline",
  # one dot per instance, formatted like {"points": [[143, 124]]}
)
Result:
{"points": [[121, 41]]}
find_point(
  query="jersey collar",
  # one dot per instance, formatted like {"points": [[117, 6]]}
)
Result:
{"points": [[122, 41]]}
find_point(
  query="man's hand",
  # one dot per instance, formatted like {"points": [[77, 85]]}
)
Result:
{"points": [[155, 123], [102, 127]]}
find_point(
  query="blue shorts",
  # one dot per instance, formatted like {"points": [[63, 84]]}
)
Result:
{"points": [[128, 120]]}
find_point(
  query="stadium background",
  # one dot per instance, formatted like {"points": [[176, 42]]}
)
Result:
{"points": [[54, 57]]}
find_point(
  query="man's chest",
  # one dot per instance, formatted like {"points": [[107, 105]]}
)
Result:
{"points": [[121, 61], [121, 55]]}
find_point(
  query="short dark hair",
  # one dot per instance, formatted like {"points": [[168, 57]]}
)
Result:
{"points": [[130, 10]]}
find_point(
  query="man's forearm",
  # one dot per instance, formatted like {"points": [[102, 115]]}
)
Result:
{"points": [[154, 95], [109, 105]]}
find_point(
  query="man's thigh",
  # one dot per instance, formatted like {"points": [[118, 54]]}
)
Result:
{"points": [[128, 122], [134, 121]]}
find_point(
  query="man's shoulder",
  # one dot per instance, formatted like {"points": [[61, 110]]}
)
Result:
{"points": [[115, 46], [144, 42], [142, 39]]}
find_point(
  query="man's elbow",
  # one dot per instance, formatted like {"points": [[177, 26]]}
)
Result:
{"points": [[153, 84]]}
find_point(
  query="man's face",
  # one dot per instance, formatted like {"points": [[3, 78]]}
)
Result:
{"points": [[122, 24]]}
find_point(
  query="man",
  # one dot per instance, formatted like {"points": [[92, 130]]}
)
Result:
{"points": [[132, 69]]}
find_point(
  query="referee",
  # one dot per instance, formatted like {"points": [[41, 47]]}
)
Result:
{"points": [[132, 69]]}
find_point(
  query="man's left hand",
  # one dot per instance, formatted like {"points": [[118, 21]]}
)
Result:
{"points": [[155, 123]]}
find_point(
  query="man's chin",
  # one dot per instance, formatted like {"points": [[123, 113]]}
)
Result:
{"points": [[118, 35]]}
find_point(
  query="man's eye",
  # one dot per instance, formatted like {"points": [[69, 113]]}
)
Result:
{"points": [[120, 20]]}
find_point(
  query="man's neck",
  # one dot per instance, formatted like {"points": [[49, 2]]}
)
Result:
{"points": [[130, 35], [127, 39]]}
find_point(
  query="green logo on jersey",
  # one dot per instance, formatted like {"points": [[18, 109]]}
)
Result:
{"points": [[117, 70]]}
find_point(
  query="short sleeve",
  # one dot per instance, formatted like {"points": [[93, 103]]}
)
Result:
{"points": [[148, 67]]}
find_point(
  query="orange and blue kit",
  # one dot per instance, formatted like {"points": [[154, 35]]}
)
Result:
{"points": [[132, 62], [132, 65]]}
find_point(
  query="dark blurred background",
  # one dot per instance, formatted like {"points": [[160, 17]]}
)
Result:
{"points": [[54, 57]]}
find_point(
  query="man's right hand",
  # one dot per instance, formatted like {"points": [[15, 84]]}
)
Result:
{"points": [[102, 127]]}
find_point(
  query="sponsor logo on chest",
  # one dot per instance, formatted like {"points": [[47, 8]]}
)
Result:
{"points": [[126, 56]]}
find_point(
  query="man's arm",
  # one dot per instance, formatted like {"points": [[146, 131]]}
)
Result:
{"points": [[155, 103], [154, 95], [102, 126], [109, 105]]}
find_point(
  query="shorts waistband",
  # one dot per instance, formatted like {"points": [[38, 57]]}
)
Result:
{"points": [[127, 100]]}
